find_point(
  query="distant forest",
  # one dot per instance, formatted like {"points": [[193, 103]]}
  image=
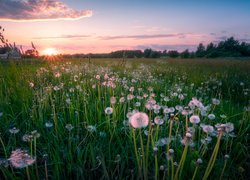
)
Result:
{"points": [[228, 48]]}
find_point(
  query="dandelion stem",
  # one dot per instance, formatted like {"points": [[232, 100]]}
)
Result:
{"points": [[136, 153], [3, 147], [46, 170], [213, 158], [195, 172], [182, 161], [27, 172], [143, 156], [223, 170]]}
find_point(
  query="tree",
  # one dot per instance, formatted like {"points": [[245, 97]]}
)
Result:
{"points": [[185, 54], [200, 52], [31, 53], [173, 54], [147, 53]]}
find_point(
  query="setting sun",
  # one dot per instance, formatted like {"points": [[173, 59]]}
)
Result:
{"points": [[50, 52]]}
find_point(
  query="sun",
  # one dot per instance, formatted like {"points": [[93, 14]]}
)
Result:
{"points": [[50, 52]]}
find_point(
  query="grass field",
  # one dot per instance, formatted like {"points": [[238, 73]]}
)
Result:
{"points": [[141, 119]]}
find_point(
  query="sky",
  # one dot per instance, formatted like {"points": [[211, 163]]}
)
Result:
{"points": [[101, 26]]}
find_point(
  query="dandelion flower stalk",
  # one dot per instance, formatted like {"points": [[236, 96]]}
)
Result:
{"points": [[143, 155], [3, 147], [136, 152], [213, 157], [28, 173], [224, 167], [182, 161]]}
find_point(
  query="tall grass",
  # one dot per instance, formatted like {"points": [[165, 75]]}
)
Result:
{"points": [[60, 105]]}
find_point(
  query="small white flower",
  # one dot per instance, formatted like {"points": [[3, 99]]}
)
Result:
{"points": [[48, 124], [108, 110], [14, 130], [215, 101], [158, 120], [211, 116], [69, 127], [194, 119]]}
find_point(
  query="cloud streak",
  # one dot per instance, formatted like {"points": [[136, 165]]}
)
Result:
{"points": [[153, 36], [63, 37], [39, 10]]}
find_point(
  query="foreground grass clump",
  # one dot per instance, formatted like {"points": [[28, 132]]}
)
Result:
{"points": [[147, 119]]}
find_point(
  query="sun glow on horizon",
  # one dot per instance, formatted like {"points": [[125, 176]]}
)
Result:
{"points": [[50, 52]]}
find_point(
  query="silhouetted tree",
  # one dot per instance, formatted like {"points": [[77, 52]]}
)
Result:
{"points": [[200, 52], [185, 54], [173, 54]]}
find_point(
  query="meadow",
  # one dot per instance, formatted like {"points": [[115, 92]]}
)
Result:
{"points": [[133, 119]]}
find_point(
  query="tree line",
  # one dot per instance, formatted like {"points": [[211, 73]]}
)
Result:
{"points": [[227, 48]]}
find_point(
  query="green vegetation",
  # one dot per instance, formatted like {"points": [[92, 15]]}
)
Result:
{"points": [[133, 119]]}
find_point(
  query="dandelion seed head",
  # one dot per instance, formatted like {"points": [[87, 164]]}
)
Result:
{"points": [[14, 130], [48, 124], [215, 101], [69, 127], [194, 119], [108, 110], [211, 116], [139, 120], [20, 159]]}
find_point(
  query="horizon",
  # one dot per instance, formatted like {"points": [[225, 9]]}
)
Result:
{"points": [[103, 27]]}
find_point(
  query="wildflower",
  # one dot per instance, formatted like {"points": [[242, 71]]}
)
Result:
{"points": [[14, 130], [56, 88], [139, 120], [97, 77], [20, 159], [130, 97], [69, 127], [137, 104], [48, 124], [223, 116], [57, 74], [155, 150], [226, 156], [207, 128], [199, 162], [206, 140], [162, 167], [179, 108], [215, 101], [194, 119], [161, 142], [27, 138], [112, 100], [35, 134], [1, 114], [93, 86], [195, 103], [68, 101], [102, 134], [186, 111], [122, 100], [91, 128], [31, 84], [108, 110], [211, 116], [170, 154], [228, 127], [158, 120]]}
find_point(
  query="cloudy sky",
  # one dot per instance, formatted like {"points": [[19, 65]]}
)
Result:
{"points": [[74, 26]]}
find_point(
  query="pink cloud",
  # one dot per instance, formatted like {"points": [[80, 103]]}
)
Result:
{"points": [[39, 10]]}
